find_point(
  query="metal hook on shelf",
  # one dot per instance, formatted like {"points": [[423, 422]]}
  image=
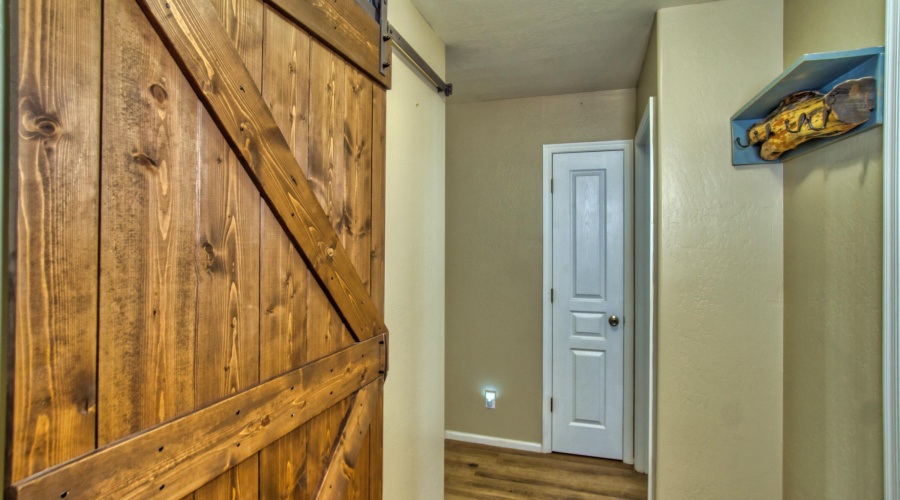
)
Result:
{"points": [[756, 139], [787, 124], [824, 120], [804, 118]]}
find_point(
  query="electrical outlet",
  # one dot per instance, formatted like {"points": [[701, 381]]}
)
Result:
{"points": [[490, 399]]}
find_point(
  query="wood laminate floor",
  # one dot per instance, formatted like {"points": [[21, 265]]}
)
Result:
{"points": [[474, 471]]}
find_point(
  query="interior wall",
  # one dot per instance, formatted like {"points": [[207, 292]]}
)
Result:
{"points": [[494, 249], [648, 81], [832, 282], [719, 414], [414, 269]]}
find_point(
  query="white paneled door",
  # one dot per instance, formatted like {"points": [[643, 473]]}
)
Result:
{"points": [[588, 303]]}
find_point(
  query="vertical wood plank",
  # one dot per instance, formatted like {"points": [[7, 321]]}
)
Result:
{"points": [[379, 171], [283, 291], [282, 465], [326, 131], [359, 480], [286, 82], [54, 399], [148, 208], [357, 172], [228, 326], [326, 331], [376, 450], [327, 180], [324, 430], [376, 429], [357, 219], [228, 260], [227, 358]]}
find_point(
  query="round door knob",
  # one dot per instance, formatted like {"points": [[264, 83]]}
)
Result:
{"points": [[613, 320]]}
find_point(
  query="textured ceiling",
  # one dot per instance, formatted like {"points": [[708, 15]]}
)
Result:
{"points": [[502, 49]]}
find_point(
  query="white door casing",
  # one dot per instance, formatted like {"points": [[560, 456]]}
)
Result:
{"points": [[891, 268], [645, 276], [589, 271]]}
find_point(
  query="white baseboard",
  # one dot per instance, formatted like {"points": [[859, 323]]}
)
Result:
{"points": [[493, 441]]}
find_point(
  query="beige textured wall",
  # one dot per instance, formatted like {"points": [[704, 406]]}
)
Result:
{"points": [[414, 270], [647, 87], [832, 283], [720, 320], [494, 248], [648, 82]]}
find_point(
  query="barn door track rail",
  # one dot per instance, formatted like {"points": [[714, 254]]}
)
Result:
{"points": [[377, 9], [410, 53]]}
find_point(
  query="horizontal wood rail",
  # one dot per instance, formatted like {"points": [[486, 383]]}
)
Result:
{"points": [[176, 458], [344, 26], [345, 453], [196, 39]]}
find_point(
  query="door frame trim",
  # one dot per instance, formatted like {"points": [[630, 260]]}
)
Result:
{"points": [[627, 147], [891, 267], [647, 132]]}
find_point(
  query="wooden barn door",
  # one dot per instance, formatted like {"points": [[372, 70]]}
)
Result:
{"points": [[199, 250]]}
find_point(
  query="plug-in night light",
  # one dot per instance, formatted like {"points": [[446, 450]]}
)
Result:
{"points": [[490, 399]]}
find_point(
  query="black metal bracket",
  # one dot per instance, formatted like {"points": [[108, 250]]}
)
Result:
{"points": [[410, 53], [378, 10], [385, 35]]}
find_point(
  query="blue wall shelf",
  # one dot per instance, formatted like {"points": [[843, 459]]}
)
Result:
{"points": [[820, 72]]}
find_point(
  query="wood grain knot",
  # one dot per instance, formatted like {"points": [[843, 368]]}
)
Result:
{"points": [[87, 407], [266, 421], [159, 94], [210, 254], [40, 126], [144, 160], [47, 127]]}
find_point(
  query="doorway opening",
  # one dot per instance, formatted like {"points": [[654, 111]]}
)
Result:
{"points": [[588, 365], [599, 266]]}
